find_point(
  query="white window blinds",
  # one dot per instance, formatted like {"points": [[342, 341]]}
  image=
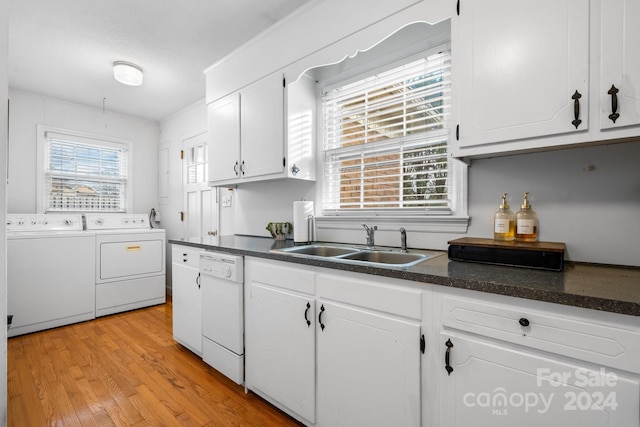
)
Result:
{"points": [[385, 141], [83, 174]]}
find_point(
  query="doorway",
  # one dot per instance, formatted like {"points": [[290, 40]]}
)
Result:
{"points": [[199, 200]]}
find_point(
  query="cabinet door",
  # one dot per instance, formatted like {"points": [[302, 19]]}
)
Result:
{"points": [[224, 138], [517, 66], [620, 63], [494, 385], [187, 306], [262, 119], [280, 347], [368, 368]]}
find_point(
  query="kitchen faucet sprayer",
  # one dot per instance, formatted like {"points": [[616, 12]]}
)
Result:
{"points": [[370, 235]]}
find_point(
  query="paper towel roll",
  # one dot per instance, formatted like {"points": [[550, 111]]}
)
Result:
{"points": [[301, 211]]}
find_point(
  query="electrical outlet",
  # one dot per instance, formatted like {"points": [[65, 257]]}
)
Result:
{"points": [[226, 201]]}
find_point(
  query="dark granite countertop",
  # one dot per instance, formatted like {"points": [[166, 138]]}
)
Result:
{"points": [[599, 287]]}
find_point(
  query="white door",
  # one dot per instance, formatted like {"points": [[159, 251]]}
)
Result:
{"points": [[489, 384], [200, 201], [368, 368]]}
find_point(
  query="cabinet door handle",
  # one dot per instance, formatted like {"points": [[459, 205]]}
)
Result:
{"points": [[524, 322], [242, 167], [614, 103], [306, 311], [320, 317], [576, 109], [198, 280], [447, 365], [235, 168]]}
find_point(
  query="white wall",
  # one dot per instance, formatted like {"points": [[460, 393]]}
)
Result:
{"points": [[4, 95], [29, 110], [587, 197]]}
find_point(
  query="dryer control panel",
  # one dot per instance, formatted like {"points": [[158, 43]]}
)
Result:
{"points": [[105, 221]]}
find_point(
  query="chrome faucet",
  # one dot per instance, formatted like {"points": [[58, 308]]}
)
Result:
{"points": [[403, 240], [371, 238]]}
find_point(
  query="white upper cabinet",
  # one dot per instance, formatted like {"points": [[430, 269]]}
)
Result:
{"points": [[250, 139], [536, 75], [518, 67], [224, 138], [262, 127], [620, 76]]}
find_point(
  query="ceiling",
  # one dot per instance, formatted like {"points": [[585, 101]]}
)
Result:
{"points": [[65, 48]]}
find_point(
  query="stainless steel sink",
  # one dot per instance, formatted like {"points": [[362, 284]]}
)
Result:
{"points": [[320, 250], [384, 257], [354, 255]]}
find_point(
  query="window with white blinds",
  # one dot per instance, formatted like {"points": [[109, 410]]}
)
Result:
{"points": [[83, 174], [385, 141]]}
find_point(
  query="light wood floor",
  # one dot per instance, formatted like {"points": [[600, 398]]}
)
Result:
{"points": [[123, 370]]}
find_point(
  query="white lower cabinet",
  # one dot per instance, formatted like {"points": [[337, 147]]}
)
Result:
{"points": [[280, 343], [516, 364], [280, 347], [494, 384], [368, 368], [187, 297], [337, 348], [348, 332]]}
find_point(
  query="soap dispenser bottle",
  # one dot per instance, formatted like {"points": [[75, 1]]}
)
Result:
{"points": [[526, 222], [504, 222]]}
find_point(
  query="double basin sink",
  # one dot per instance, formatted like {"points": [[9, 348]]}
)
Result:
{"points": [[354, 255]]}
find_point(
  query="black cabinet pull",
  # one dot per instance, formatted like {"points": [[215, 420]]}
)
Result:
{"points": [[305, 314], [614, 103], [447, 365], [235, 168], [576, 109], [198, 280], [524, 322], [242, 167], [320, 317], [423, 344]]}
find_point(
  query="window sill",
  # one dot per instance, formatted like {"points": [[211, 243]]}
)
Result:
{"points": [[435, 224]]}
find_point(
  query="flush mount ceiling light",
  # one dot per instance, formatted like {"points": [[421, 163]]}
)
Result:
{"points": [[127, 73]]}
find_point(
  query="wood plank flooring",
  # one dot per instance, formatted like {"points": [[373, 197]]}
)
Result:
{"points": [[123, 370]]}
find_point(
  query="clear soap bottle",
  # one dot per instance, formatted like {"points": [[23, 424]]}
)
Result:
{"points": [[504, 222], [526, 222]]}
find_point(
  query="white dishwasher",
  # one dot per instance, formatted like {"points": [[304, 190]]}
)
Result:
{"points": [[222, 277]]}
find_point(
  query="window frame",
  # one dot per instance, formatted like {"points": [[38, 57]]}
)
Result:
{"points": [[83, 138], [454, 221]]}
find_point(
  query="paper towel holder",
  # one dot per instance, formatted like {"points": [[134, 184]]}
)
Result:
{"points": [[311, 222]]}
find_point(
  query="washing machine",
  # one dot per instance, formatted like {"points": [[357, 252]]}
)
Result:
{"points": [[50, 272], [129, 262]]}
